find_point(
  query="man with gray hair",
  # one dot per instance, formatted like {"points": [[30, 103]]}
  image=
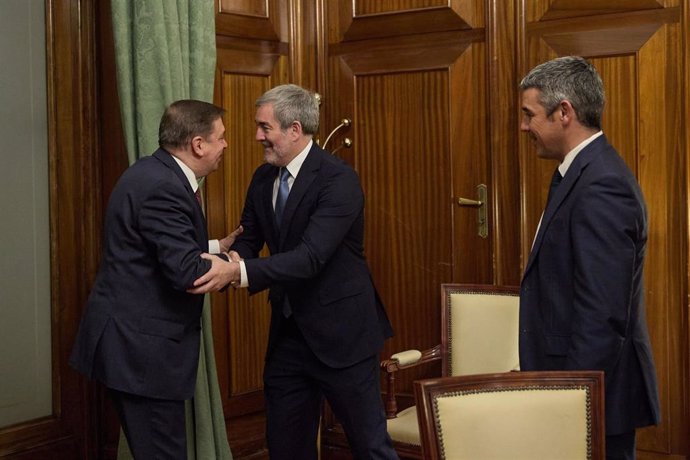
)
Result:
{"points": [[327, 323], [581, 298]]}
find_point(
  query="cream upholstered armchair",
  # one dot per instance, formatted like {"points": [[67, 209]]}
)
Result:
{"points": [[479, 335], [513, 416]]}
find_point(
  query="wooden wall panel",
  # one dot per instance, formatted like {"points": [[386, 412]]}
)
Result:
{"points": [[371, 19], [621, 111], [661, 161], [246, 7], [637, 54], [252, 19], [419, 105], [363, 7], [503, 135], [540, 10], [403, 157]]}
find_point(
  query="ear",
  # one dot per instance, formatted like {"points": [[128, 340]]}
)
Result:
{"points": [[295, 129], [197, 144], [566, 112]]}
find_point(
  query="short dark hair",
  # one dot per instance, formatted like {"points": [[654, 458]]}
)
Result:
{"points": [[186, 119], [293, 103], [572, 78]]}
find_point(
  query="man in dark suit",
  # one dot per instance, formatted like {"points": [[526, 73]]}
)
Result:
{"points": [[140, 332], [581, 300], [327, 324]]}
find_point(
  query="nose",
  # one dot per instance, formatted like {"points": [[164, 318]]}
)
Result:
{"points": [[259, 134], [524, 126]]}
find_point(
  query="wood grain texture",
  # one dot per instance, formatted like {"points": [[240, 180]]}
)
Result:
{"points": [[363, 7], [502, 141], [542, 10], [252, 19], [661, 161], [374, 19], [244, 7], [403, 160], [602, 36]]}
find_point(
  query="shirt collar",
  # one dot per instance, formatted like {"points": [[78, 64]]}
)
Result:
{"points": [[568, 160], [189, 174], [296, 164]]}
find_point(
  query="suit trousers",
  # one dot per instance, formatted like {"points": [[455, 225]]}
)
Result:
{"points": [[621, 446], [155, 428], [295, 383]]}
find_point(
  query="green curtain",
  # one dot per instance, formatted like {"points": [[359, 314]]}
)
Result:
{"points": [[165, 50]]}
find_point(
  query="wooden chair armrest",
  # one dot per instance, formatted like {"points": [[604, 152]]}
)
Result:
{"points": [[400, 361]]}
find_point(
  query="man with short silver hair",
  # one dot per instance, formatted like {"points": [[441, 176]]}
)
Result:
{"points": [[327, 323], [581, 299]]}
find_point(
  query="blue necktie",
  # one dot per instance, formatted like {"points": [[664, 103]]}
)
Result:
{"points": [[283, 192], [281, 198]]}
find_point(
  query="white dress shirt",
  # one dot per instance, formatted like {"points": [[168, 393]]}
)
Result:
{"points": [[293, 167]]}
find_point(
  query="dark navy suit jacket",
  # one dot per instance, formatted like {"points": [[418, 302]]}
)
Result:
{"points": [[140, 331], [581, 300], [317, 259]]}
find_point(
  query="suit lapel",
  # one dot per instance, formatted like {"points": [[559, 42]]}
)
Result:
{"points": [[303, 181], [167, 160], [267, 199], [569, 181]]}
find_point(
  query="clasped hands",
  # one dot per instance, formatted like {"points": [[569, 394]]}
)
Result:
{"points": [[222, 273]]}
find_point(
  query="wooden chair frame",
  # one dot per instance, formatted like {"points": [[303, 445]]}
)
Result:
{"points": [[426, 392], [441, 351]]}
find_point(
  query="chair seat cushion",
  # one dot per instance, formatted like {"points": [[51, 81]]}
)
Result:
{"points": [[405, 428]]}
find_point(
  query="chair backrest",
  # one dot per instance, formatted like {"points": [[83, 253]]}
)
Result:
{"points": [[480, 329], [512, 416]]}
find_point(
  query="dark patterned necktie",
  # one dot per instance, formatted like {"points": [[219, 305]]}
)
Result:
{"points": [[555, 181]]}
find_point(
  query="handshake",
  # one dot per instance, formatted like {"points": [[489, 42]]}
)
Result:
{"points": [[224, 271]]}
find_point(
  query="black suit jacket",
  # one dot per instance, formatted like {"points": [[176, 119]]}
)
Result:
{"points": [[317, 259], [140, 331], [581, 300]]}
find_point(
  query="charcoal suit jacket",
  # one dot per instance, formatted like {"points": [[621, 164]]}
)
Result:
{"points": [[140, 332], [317, 259], [582, 300]]}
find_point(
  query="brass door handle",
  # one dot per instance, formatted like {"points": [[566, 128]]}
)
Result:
{"points": [[480, 204], [468, 202]]}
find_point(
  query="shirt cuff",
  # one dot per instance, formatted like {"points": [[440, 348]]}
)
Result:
{"points": [[244, 281], [214, 247]]}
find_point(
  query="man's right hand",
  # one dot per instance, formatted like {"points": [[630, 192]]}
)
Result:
{"points": [[218, 277]]}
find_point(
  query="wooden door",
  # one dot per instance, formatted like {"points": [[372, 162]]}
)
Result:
{"points": [[413, 76], [636, 46]]}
